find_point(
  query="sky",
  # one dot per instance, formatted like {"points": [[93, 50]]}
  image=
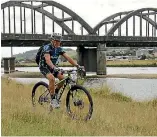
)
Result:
{"points": [[92, 11]]}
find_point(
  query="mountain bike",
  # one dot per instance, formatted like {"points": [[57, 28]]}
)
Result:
{"points": [[79, 104]]}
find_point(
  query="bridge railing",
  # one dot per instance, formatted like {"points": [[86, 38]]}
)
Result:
{"points": [[5, 36]]}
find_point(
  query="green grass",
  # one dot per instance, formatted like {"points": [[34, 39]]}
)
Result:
{"points": [[116, 63], [132, 63], [106, 93], [114, 114], [131, 76], [62, 64]]}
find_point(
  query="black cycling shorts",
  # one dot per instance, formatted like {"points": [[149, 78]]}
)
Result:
{"points": [[46, 70]]}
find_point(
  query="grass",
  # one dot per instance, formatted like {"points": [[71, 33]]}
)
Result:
{"points": [[25, 75], [114, 114], [132, 63], [116, 63], [106, 93], [62, 64], [131, 76]]}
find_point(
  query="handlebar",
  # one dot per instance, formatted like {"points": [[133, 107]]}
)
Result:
{"points": [[80, 71]]}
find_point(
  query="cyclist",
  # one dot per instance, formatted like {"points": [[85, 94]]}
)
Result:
{"points": [[47, 65]]}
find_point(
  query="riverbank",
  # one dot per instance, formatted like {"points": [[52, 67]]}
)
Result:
{"points": [[132, 63], [39, 75], [114, 115], [116, 63]]}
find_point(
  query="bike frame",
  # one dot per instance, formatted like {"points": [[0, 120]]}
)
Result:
{"points": [[67, 80]]}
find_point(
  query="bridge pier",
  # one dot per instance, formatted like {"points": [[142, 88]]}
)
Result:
{"points": [[6, 65], [12, 64], [101, 59], [9, 65], [87, 58], [93, 59]]}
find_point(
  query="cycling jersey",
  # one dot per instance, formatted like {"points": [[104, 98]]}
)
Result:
{"points": [[54, 54]]}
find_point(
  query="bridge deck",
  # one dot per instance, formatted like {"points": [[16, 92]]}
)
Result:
{"points": [[35, 40]]}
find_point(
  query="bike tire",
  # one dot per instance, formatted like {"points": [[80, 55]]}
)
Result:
{"points": [[69, 94], [41, 83]]}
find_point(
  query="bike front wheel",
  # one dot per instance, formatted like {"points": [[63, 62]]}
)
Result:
{"points": [[79, 103], [40, 94]]}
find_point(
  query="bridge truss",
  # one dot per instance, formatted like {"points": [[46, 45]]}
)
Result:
{"points": [[31, 23]]}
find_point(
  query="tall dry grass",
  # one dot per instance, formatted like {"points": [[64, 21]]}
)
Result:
{"points": [[113, 114]]}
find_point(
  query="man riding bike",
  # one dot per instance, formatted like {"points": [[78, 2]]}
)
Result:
{"points": [[47, 65]]}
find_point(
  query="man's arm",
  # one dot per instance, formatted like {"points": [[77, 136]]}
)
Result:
{"points": [[48, 60], [70, 60]]}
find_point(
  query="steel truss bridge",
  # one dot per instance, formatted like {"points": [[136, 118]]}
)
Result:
{"points": [[30, 24]]}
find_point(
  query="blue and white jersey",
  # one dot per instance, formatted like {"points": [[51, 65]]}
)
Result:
{"points": [[54, 54]]}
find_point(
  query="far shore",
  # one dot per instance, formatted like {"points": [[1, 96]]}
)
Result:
{"points": [[39, 75], [115, 63]]}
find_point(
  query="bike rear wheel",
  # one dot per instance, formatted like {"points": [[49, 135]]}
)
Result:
{"points": [[40, 94], [79, 103]]}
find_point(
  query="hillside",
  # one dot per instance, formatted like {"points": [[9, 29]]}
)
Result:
{"points": [[30, 55]]}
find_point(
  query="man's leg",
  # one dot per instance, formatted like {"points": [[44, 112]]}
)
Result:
{"points": [[60, 77], [54, 102], [46, 72], [51, 79]]}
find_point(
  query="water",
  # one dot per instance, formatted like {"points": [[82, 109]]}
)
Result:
{"points": [[137, 89], [110, 70]]}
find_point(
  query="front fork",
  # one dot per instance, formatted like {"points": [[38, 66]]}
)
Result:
{"points": [[76, 100]]}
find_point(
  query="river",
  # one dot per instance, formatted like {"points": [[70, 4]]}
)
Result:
{"points": [[110, 70], [137, 89]]}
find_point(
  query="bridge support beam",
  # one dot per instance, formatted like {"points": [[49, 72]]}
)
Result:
{"points": [[87, 58], [6, 65], [101, 59]]}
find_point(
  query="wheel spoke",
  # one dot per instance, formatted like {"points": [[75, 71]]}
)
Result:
{"points": [[80, 104], [40, 96]]}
